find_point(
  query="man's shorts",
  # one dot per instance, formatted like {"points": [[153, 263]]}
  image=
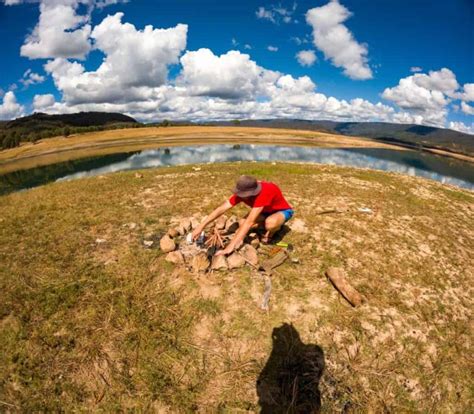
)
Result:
{"points": [[288, 213]]}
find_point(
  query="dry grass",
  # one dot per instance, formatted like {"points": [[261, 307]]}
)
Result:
{"points": [[112, 326]]}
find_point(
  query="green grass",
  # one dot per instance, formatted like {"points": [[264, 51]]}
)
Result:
{"points": [[114, 327]]}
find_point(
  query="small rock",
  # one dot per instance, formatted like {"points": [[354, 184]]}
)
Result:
{"points": [[131, 226], [219, 263], [255, 243], [235, 260], [185, 223], [175, 257], [200, 263], [100, 241], [167, 244], [181, 230], [249, 253], [173, 233], [138, 175], [197, 168], [298, 225], [221, 222], [231, 221], [148, 243], [295, 260], [194, 223]]}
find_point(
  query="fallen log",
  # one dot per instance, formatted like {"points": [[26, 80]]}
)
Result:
{"points": [[338, 279]]}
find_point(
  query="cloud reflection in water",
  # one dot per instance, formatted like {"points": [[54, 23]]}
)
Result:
{"points": [[404, 162]]}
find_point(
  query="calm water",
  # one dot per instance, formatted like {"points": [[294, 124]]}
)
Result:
{"points": [[445, 170]]}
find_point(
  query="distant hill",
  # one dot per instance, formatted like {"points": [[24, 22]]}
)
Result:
{"points": [[40, 125], [402, 134]]}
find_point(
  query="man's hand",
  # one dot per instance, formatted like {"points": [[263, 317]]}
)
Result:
{"points": [[197, 231], [227, 250]]}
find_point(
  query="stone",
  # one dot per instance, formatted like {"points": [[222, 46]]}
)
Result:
{"points": [[249, 253], [138, 175], [148, 243], [235, 260], [200, 263], [175, 257], [100, 241], [298, 225], [255, 243], [167, 244], [221, 222], [231, 222], [181, 230], [173, 233], [194, 223], [185, 223], [219, 263]]}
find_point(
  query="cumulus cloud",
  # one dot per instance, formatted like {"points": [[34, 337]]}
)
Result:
{"points": [[336, 41], [43, 102], [10, 108], [60, 32], [462, 127], [135, 62], [425, 95], [272, 48], [467, 109], [306, 57], [31, 78], [277, 13], [232, 75], [415, 69], [468, 93]]}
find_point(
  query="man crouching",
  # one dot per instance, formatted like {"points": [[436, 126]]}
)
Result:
{"points": [[267, 205]]}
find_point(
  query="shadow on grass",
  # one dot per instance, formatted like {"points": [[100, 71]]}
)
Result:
{"points": [[289, 382]]}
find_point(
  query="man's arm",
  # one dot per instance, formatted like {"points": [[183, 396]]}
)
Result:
{"points": [[211, 217], [242, 232]]}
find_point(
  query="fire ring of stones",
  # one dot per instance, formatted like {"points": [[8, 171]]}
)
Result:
{"points": [[201, 258]]}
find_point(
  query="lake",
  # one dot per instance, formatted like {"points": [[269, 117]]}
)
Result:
{"points": [[413, 163]]}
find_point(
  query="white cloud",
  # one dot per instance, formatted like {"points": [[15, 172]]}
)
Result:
{"points": [[462, 127], [135, 62], [232, 75], [467, 109], [306, 57], [468, 94], [414, 69], [247, 46], [272, 48], [425, 96], [42, 102], [277, 13], [60, 32], [443, 80], [336, 41], [10, 108], [31, 78]]}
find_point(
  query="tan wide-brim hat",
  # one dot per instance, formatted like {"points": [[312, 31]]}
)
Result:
{"points": [[247, 186]]}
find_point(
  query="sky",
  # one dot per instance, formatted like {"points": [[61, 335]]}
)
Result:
{"points": [[344, 60]]}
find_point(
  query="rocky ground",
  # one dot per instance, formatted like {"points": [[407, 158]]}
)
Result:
{"points": [[93, 316]]}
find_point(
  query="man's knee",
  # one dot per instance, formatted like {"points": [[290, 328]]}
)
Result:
{"points": [[272, 222]]}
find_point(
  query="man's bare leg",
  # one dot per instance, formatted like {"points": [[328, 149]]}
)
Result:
{"points": [[273, 223]]}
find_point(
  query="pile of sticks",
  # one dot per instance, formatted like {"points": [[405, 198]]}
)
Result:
{"points": [[215, 240]]}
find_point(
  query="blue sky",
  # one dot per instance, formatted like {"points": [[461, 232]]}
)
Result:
{"points": [[379, 42]]}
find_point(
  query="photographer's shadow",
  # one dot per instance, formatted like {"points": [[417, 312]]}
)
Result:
{"points": [[289, 382]]}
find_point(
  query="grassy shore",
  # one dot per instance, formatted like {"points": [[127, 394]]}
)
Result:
{"points": [[88, 326]]}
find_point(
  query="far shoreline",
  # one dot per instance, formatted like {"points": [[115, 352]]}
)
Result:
{"points": [[61, 149]]}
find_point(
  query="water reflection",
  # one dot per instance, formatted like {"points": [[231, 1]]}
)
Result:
{"points": [[406, 162]]}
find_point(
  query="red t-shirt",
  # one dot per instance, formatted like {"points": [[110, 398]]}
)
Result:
{"points": [[270, 198]]}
